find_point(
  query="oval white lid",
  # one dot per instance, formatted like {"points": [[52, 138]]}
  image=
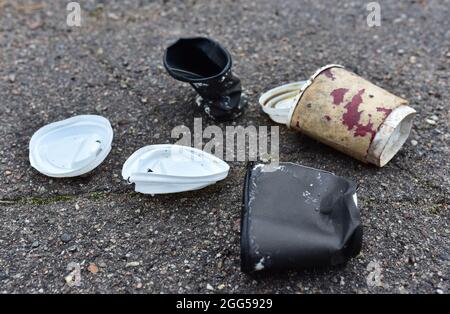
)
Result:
{"points": [[166, 168], [71, 147]]}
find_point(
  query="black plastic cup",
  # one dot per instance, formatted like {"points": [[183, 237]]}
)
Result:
{"points": [[295, 217], [206, 65]]}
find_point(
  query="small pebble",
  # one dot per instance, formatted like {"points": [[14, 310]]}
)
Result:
{"points": [[93, 268], [34, 24], [99, 108], [209, 287], [414, 143], [77, 207], [65, 237], [429, 121], [113, 16], [69, 278], [35, 244], [8, 173], [73, 248], [132, 264]]}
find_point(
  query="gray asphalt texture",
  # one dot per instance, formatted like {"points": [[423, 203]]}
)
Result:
{"points": [[125, 242]]}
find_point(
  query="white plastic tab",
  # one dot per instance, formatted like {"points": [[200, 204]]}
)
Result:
{"points": [[71, 147], [166, 168]]}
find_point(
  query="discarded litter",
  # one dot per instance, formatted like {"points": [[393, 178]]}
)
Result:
{"points": [[296, 217], [71, 147], [345, 111], [277, 102], [206, 65], [166, 168]]}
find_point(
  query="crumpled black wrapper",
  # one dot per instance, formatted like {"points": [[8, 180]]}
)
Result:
{"points": [[295, 217]]}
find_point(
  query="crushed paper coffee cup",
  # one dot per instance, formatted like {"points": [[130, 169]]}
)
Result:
{"points": [[296, 217], [344, 111]]}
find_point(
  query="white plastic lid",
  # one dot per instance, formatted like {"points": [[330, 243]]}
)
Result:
{"points": [[166, 168], [278, 101], [71, 147]]}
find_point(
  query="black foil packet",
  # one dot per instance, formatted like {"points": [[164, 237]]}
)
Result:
{"points": [[296, 217]]}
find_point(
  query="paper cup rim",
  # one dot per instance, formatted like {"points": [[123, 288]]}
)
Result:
{"points": [[305, 87], [392, 134]]}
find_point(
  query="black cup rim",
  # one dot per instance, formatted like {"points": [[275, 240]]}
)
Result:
{"points": [[203, 79]]}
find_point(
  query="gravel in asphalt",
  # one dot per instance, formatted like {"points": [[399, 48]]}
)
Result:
{"points": [[189, 242]]}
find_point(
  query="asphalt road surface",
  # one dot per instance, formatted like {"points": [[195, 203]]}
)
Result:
{"points": [[125, 242]]}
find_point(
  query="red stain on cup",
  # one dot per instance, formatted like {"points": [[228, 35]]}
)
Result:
{"points": [[338, 95]]}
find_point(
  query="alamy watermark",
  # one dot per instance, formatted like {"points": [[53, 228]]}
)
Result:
{"points": [[74, 15], [238, 143], [74, 277], [374, 17]]}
